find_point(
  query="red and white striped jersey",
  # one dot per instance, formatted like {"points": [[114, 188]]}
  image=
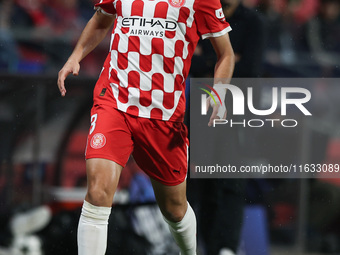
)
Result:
{"points": [[150, 53]]}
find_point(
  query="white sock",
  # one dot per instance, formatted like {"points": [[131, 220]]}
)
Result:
{"points": [[226, 251], [92, 229], [184, 232]]}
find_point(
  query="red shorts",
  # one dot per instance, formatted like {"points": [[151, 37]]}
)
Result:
{"points": [[159, 147]]}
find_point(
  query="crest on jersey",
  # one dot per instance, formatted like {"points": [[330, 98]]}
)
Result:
{"points": [[176, 3], [98, 141]]}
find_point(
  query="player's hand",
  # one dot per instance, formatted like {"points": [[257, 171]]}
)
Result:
{"points": [[218, 111], [70, 67]]}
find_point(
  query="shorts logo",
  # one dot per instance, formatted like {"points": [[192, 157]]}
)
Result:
{"points": [[219, 13], [176, 3], [103, 92], [98, 141]]}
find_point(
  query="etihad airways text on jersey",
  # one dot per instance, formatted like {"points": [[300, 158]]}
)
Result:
{"points": [[138, 22]]}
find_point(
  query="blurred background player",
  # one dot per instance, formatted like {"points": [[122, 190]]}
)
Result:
{"points": [[221, 214], [321, 37], [139, 106]]}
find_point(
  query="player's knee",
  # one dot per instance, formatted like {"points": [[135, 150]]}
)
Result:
{"points": [[174, 216], [98, 195], [174, 211]]}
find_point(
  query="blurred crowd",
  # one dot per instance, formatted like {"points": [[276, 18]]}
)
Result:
{"points": [[37, 36]]}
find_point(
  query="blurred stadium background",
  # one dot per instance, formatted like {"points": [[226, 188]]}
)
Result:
{"points": [[42, 137]]}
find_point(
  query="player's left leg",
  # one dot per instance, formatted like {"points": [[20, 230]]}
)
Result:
{"points": [[161, 150], [178, 214]]}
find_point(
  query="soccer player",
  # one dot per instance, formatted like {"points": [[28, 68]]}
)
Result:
{"points": [[139, 104]]}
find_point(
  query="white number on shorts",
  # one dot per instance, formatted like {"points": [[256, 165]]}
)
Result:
{"points": [[93, 122]]}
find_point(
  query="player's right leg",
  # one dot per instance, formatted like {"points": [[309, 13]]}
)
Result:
{"points": [[109, 146], [102, 177], [102, 181]]}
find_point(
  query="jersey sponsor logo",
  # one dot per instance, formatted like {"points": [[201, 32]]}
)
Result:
{"points": [[148, 26], [177, 3], [98, 141], [144, 32], [219, 13], [149, 23]]}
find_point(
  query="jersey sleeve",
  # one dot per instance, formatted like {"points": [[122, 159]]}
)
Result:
{"points": [[210, 19], [106, 7]]}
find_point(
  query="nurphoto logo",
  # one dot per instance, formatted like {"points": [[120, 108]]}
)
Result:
{"points": [[280, 98]]}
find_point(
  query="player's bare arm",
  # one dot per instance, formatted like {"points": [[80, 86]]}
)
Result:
{"points": [[94, 32], [224, 68]]}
